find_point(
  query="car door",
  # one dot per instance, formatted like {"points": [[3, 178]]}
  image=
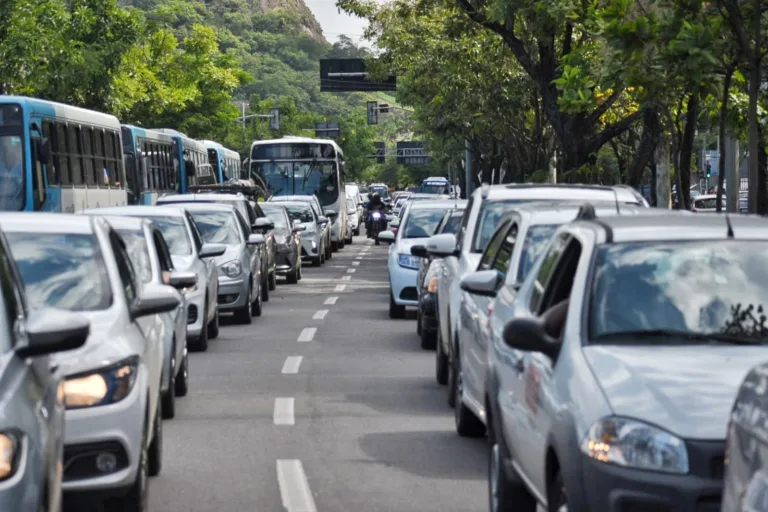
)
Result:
{"points": [[252, 252], [208, 263], [472, 306], [180, 314], [269, 248]]}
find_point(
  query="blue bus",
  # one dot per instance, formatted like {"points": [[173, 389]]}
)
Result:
{"points": [[225, 162], [151, 164], [194, 168], [435, 185], [58, 158]]}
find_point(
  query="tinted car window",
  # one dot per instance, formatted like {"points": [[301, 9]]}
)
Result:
{"points": [[217, 227], [715, 288], [138, 251], [65, 271], [175, 233], [422, 223], [452, 224], [491, 213], [535, 243], [300, 213]]}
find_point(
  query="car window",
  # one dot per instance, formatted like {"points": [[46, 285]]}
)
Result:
{"points": [[545, 271], [501, 262], [245, 229], [463, 225], [301, 213], [488, 219], [124, 267], [13, 302], [535, 243], [254, 212], [64, 271], [422, 223], [138, 251], [217, 227], [175, 233], [196, 236], [163, 254], [705, 288], [277, 215], [452, 224], [486, 262]]}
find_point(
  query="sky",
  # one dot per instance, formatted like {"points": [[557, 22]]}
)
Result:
{"points": [[335, 23]]}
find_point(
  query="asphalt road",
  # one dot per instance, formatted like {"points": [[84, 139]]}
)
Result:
{"points": [[323, 404]]}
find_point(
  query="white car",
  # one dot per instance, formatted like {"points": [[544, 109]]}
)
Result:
{"points": [[189, 254], [111, 391], [353, 219], [153, 265], [419, 223]]}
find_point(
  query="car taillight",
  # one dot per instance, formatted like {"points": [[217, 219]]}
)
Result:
{"points": [[490, 310], [394, 231]]}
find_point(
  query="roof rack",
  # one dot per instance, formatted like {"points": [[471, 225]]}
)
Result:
{"points": [[253, 191], [586, 212]]}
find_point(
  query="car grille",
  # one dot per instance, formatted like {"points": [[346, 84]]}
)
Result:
{"points": [[409, 293]]}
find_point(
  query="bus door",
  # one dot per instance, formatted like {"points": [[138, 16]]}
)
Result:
{"points": [[40, 150]]}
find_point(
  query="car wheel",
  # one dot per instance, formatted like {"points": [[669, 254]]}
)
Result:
{"points": [[201, 344], [557, 498], [169, 397], [349, 240], [328, 250], [181, 384], [272, 281], [137, 497], [258, 305], [243, 314], [395, 311], [213, 327], [265, 289], [451, 383], [467, 424], [357, 231], [293, 275], [155, 453], [504, 493], [427, 337], [441, 361], [418, 322]]}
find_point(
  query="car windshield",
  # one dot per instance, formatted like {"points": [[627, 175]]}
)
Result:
{"points": [[175, 233], [277, 216], [300, 213], [138, 250], [713, 288], [489, 219], [217, 227], [535, 242], [422, 223], [452, 224], [65, 271]]}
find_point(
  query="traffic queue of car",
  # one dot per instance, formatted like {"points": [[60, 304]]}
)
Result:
{"points": [[100, 309], [612, 354]]}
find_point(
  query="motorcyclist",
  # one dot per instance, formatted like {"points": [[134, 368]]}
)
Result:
{"points": [[375, 204]]}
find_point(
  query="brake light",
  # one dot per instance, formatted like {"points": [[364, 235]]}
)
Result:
{"points": [[394, 231]]}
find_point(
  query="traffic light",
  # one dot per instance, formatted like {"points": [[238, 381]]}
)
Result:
{"points": [[709, 170]]}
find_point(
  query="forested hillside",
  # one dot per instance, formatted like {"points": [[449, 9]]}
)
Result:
{"points": [[186, 64]]}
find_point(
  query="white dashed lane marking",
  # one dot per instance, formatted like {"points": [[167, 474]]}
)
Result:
{"points": [[330, 301], [294, 488], [292, 364], [320, 315], [307, 334], [283, 413]]}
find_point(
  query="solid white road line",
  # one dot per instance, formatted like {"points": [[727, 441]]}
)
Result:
{"points": [[331, 301], [340, 287], [359, 258], [283, 414], [351, 270], [320, 315], [355, 263], [346, 278], [292, 364], [294, 488], [307, 334]]}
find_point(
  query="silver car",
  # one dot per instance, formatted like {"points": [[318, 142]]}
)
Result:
{"points": [[152, 261], [312, 238], [113, 438], [189, 254], [323, 220], [32, 419], [239, 267], [288, 237]]}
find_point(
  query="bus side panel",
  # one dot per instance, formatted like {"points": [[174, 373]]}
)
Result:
{"points": [[149, 198], [52, 199]]}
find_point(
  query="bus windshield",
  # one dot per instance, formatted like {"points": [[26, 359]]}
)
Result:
{"points": [[11, 159], [435, 187], [319, 178]]}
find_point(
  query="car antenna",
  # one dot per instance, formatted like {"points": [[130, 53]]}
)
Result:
{"points": [[730, 228]]}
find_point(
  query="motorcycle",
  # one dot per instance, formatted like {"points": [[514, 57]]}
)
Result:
{"points": [[378, 224]]}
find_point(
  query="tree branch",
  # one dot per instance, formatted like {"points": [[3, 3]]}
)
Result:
{"points": [[612, 130], [601, 109]]}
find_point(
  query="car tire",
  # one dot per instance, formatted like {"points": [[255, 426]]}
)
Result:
{"points": [[504, 491], [451, 383], [213, 327], [395, 311], [201, 343], [137, 497], [169, 397], [265, 290], [349, 240], [181, 383], [328, 250], [334, 246], [441, 361], [356, 232], [316, 262], [155, 451], [272, 281], [300, 266], [293, 276], [467, 424], [428, 337], [418, 322], [243, 314], [258, 306]]}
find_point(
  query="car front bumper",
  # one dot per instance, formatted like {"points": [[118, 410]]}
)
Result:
{"points": [[195, 312], [402, 282], [233, 292], [285, 261], [310, 247], [117, 429]]}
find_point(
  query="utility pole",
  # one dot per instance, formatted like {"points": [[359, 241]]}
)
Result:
{"points": [[467, 168], [732, 178], [754, 91]]}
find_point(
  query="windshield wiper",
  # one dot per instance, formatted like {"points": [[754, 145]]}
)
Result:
{"points": [[686, 335]]}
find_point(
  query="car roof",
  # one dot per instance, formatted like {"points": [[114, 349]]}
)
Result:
{"points": [[292, 203], [119, 222], [210, 207], [438, 203], [551, 191], [679, 226], [546, 212], [296, 197], [139, 211], [40, 222], [189, 198]]}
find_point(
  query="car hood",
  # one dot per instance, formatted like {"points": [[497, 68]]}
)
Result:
{"points": [[182, 263], [404, 244], [107, 344], [686, 390], [232, 253]]}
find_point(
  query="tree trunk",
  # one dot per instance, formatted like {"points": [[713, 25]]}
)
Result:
{"points": [[722, 136], [754, 136], [648, 142], [762, 160], [686, 150]]}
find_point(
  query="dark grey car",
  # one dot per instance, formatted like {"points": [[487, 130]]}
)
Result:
{"points": [[32, 418], [288, 241]]}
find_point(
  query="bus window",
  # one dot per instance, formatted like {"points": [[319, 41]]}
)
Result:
{"points": [[60, 157], [50, 132], [90, 175], [75, 164], [38, 182], [101, 163]]}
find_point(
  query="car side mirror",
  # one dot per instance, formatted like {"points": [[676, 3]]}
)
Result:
{"points": [[387, 237], [323, 220], [182, 280], [442, 246], [53, 330], [256, 239], [331, 213], [263, 224], [299, 227], [420, 251], [395, 223], [155, 300], [485, 282], [212, 250], [528, 334]]}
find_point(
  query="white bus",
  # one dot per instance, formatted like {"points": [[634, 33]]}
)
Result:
{"points": [[303, 166]]}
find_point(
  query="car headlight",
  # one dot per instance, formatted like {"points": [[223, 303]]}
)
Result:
{"points": [[10, 453], [101, 387], [432, 286], [408, 261], [307, 234], [231, 268], [633, 444]]}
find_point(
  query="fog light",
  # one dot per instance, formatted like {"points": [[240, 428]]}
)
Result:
{"points": [[106, 462]]}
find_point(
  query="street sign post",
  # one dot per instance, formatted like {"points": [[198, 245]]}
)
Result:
{"points": [[328, 130], [274, 119], [373, 112]]}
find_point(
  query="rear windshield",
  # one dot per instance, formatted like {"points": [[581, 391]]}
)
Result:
{"points": [[138, 251], [217, 227], [65, 271], [175, 233], [422, 223]]}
